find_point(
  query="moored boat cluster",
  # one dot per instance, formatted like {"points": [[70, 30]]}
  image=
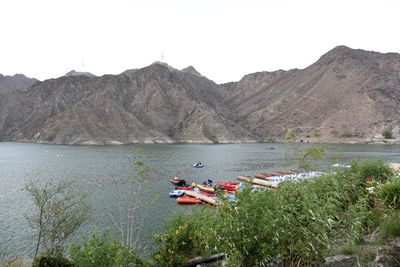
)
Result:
{"points": [[206, 192]]}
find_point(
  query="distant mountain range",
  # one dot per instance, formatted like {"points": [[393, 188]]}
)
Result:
{"points": [[347, 95], [16, 82]]}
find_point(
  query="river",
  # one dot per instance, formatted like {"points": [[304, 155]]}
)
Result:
{"points": [[93, 169]]}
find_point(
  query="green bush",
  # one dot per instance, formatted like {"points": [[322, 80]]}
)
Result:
{"points": [[387, 134], [297, 224], [47, 260], [390, 226], [184, 238], [348, 249], [101, 250], [389, 193]]}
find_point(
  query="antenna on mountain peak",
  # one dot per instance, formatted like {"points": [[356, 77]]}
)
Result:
{"points": [[162, 56]]}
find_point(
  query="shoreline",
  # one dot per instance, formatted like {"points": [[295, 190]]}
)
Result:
{"points": [[145, 141]]}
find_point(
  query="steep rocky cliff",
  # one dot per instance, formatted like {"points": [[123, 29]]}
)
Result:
{"points": [[347, 95], [153, 104]]}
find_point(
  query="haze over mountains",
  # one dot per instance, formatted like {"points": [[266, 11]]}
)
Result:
{"points": [[347, 95]]}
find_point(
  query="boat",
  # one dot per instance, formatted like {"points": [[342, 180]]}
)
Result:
{"points": [[176, 193], [186, 188], [177, 181], [207, 193], [206, 188], [227, 187], [258, 181], [188, 200], [198, 165], [196, 194], [268, 176], [228, 183]]}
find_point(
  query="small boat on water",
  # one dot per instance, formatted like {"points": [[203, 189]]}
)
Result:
{"points": [[188, 200], [207, 193], [198, 165], [186, 188], [266, 176], [206, 188], [178, 182], [228, 183], [176, 193]]}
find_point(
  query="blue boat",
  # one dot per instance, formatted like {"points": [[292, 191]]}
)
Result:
{"points": [[176, 193], [198, 165]]}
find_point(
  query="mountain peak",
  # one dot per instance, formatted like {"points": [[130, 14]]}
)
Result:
{"points": [[79, 73], [192, 70]]}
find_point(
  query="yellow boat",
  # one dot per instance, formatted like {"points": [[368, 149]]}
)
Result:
{"points": [[206, 188]]}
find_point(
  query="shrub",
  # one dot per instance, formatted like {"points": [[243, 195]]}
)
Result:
{"points": [[184, 238], [389, 193], [54, 260], [348, 249], [390, 226], [387, 134], [296, 224], [101, 250]]}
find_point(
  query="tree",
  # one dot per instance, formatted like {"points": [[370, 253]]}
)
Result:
{"points": [[303, 156], [59, 211], [290, 139], [129, 211]]}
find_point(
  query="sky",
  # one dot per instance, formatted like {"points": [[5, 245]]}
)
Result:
{"points": [[223, 39]]}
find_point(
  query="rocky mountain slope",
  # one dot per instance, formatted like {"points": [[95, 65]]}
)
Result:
{"points": [[15, 82], [153, 104], [347, 95]]}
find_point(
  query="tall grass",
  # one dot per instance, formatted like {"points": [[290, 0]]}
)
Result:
{"points": [[295, 225]]}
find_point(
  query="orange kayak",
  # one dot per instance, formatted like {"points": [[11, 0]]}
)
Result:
{"points": [[188, 200]]}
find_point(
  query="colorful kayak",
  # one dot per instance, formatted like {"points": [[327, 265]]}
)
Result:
{"points": [[228, 183], [206, 188], [207, 193], [176, 193], [198, 165], [269, 176], [188, 200], [186, 188]]}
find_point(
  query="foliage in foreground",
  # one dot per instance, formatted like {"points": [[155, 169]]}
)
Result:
{"points": [[101, 250], [297, 224], [59, 211]]}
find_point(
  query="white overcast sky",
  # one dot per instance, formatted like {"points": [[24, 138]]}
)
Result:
{"points": [[222, 39]]}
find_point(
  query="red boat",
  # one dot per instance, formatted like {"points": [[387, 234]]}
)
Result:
{"points": [[188, 200], [227, 186], [207, 194], [228, 183], [186, 188]]}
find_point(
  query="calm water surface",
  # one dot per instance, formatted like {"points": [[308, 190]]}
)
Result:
{"points": [[94, 167]]}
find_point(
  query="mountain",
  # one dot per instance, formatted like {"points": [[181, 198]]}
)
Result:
{"points": [[155, 104], [347, 95], [15, 82], [79, 73]]}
